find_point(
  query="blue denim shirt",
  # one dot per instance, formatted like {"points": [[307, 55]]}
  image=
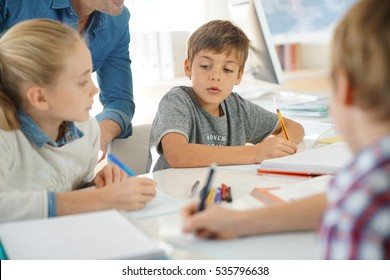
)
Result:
{"points": [[108, 38], [38, 138]]}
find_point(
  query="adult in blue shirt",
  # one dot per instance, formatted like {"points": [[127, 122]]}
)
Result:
{"points": [[105, 25]]}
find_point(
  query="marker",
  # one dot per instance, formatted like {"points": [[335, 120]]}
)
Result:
{"points": [[211, 195], [229, 195], [121, 165], [206, 188], [218, 196], [224, 192]]}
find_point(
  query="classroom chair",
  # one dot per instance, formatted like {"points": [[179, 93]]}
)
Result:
{"points": [[133, 151]]}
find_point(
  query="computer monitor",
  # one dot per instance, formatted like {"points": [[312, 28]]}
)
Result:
{"points": [[263, 62], [304, 21]]}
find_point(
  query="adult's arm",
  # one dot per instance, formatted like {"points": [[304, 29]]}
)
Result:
{"points": [[116, 85]]}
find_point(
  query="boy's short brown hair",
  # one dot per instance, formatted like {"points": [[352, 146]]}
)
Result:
{"points": [[219, 36], [361, 47]]}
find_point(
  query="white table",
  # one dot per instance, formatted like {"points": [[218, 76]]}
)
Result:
{"points": [[166, 226], [162, 219]]}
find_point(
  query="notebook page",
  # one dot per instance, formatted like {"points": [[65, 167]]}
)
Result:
{"points": [[324, 160]]}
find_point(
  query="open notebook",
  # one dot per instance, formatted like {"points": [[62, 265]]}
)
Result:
{"points": [[97, 235], [321, 161]]}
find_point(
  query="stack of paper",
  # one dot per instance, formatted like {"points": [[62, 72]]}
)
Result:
{"points": [[97, 235]]}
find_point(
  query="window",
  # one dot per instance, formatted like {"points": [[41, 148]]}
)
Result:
{"points": [[167, 15]]}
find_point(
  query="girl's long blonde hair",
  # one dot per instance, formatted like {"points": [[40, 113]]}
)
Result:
{"points": [[33, 52]]}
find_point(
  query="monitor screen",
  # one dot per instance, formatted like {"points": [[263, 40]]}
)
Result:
{"points": [[263, 62], [304, 21]]}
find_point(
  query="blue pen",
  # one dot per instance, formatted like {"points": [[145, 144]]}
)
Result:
{"points": [[120, 164], [206, 188]]}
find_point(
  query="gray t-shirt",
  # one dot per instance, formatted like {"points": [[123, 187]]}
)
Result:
{"points": [[241, 122]]}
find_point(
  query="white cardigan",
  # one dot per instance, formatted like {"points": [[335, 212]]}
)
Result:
{"points": [[27, 173]]}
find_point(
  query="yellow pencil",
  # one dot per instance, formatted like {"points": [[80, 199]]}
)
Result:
{"points": [[282, 124]]}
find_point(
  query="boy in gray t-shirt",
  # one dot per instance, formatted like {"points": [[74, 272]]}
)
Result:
{"points": [[208, 123]]}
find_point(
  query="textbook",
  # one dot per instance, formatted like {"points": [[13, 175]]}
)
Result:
{"points": [[90, 236], [325, 160]]}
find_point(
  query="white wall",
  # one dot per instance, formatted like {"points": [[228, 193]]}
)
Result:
{"points": [[216, 9], [315, 56]]}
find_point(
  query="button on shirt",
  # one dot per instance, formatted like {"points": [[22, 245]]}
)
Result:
{"points": [[357, 223], [108, 39]]}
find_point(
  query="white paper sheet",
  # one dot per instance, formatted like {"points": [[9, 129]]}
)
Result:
{"points": [[96, 235]]}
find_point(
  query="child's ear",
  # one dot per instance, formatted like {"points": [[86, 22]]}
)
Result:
{"points": [[36, 96], [239, 77], [187, 68], [345, 91]]}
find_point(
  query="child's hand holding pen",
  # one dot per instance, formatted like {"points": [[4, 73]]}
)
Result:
{"points": [[209, 220], [279, 143], [112, 173], [129, 194], [274, 147], [213, 222], [121, 189], [109, 174]]}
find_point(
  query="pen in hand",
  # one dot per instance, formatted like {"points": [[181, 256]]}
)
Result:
{"points": [[121, 165], [282, 124], [206, 188]]}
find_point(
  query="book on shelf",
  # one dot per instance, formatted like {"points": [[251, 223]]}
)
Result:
{"points": [[90, 236], [289, 56], [314, 162]]}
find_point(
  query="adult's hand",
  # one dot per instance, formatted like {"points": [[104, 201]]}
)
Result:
{"points": [[109, 130]]}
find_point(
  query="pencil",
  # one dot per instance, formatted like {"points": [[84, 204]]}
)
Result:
{"points": [[121, 165], [282, 124]]}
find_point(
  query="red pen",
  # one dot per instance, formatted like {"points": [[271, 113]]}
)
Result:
{"points": [[286, 173]]}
